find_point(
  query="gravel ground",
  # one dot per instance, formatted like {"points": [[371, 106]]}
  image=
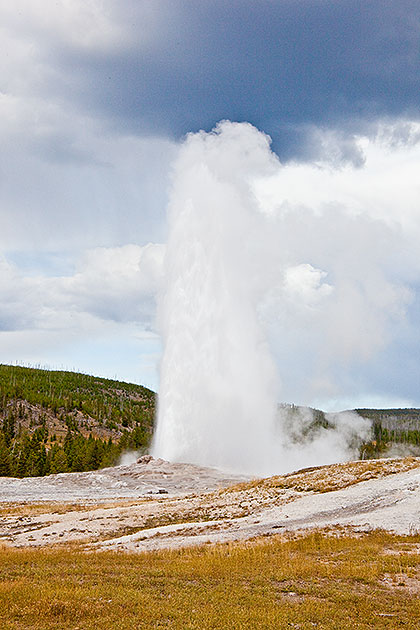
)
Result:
{"points": [[159, 505], [149, 476]]}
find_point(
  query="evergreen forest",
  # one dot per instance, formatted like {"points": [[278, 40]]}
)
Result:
{"points": [[59, 421]]}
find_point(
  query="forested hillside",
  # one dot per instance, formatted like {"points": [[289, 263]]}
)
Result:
{"points": [[56, 421], [394, 431], [392, 427]]}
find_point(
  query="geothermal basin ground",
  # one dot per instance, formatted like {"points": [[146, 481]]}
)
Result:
{"points": [[153, 504]]}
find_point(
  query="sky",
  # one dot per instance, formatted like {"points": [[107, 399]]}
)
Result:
{"points": [[96, 97]]}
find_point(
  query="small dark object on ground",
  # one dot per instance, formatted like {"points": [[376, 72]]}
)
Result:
{"points": [[145, 459]]}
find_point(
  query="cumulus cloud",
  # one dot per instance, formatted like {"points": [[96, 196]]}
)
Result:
{"points": [[117, 283], [390, 151], [337, 279], [100, 318], [343, 288], [75, 189], [305, 284], [111, 284]]}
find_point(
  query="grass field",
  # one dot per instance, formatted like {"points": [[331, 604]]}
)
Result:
{"points": [[320, 580]]}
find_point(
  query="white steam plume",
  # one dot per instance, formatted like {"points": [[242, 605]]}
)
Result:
{"points": [[219, 384], [217, 399]]}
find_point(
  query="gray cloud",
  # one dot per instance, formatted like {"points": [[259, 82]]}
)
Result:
{"points": [[168, 68]]}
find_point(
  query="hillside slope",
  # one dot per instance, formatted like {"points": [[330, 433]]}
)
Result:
{"points": [[57, 421], [395, 432]]}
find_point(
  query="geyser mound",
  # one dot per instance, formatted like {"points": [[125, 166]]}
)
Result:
{"points": [[219, 383]]}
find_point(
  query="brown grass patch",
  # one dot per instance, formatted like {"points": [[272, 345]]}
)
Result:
{"points": [[332, 477], [311, 581], [60, 507]]}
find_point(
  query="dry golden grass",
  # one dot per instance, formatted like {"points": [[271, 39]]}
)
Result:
{"points": [[329, 582], [59, 507], [329, 478], [35, 509]]}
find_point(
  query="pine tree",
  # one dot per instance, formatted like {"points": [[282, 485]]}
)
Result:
{"points": [[58, 460], [5, 459]]}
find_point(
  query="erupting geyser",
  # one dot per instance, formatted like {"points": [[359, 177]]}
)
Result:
{"points": [[217, 398], [219, 385]]}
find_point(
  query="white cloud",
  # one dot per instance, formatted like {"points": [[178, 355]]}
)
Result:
{"points": [[305, 284], [110, 284], [75, 191], [117, 283], [77, 188], [384, 186], [347, 242], [100, 319], [339, 269], [92, 25]]}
